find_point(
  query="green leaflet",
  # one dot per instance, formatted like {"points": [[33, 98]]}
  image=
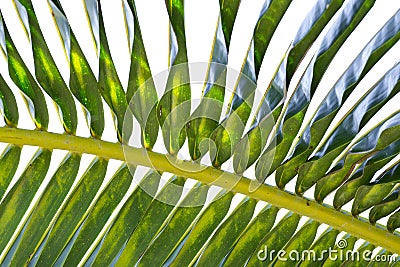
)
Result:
{"points": [[151, 222], [300, 242], [250, 146], [39, 223], [82, 82], [276, 239], [394, 221], [204, 226], [190, 236], [205, 119], [18, 199], [22, 77], [251, 236], [289, 130], [83, 85], [227, 233], [266, 27], [371, 195], [331, 181], [368, 196], [176, 229], [229, 9], [8, 105], [127, 219], [334, 179], [99, 214], [48, 74], [9, 159], [141, 87], [311, 171], [363, 175], [73, 213], [387, 206], [326, 240], [173, 109], [109, 83]]}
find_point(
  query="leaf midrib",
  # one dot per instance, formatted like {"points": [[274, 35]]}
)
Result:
{"points": [[138, 156]]}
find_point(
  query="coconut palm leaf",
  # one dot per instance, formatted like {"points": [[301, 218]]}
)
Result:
{"points": [[160, 209]]}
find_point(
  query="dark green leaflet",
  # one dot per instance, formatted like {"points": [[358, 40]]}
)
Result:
{"points": [[48, 74], [9, 159], [205, 118], [18, 199], [251, 236], [309, 30], [251, 146], [8, 104], [11, 154], [22, 77], [109, 83], [73, 213], [176, 229], [363, 175], [385, 207], [271, 106], [98, 216], [39, 222], [151, 222], [229, 9], [360, 260], [83, 85], [300, 242], [276, 239], [82, 81], [142, 88], [127, 219], [173, 109], [270, 17], [394, 221], [374, 193], [203, 227], [227, 233], [382, 259]]}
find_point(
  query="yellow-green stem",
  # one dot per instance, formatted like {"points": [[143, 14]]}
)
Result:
{"points": [[209, 175]]}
